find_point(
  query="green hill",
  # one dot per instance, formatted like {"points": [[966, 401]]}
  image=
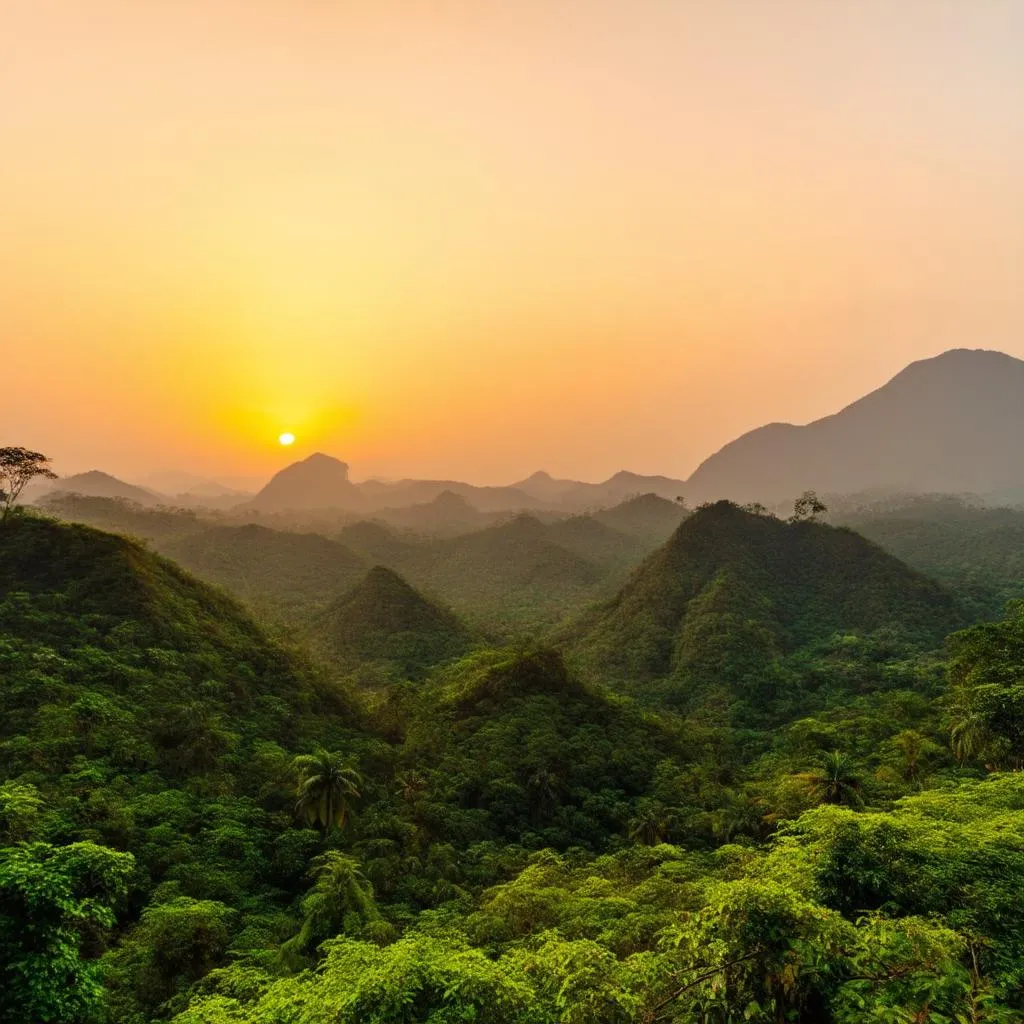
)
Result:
{"points": [[732, 593], [512, 745], [647, 516], [145, 711], [288, 574], [100, 634], [384, 620], [510, 574]]}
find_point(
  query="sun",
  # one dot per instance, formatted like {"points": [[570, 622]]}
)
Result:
{"points": [[286, 439]]}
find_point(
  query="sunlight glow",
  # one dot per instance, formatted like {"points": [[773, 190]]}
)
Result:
{"points": [[286, 439]]}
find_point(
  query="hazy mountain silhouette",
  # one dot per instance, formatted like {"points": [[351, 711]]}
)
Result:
{"points": [[547, 488], [953, 423], [576, 496], [383, 619], [96, 484], [317, 482], [449, 513], [402, 493], [730, 592]]}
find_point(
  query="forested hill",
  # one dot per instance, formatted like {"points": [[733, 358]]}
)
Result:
{"points": [[384, 621], [199, 827], [146, 711], [733, 591]]}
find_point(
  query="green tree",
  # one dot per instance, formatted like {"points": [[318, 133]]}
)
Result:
{"points": [[56, 903], [174, 945], [327, 784], [835, 780], [339, 902], [18, 467]]}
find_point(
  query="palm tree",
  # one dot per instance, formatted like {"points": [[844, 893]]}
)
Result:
{"points": [[967, 734], [340, 893], [650, 826], [835, 781], [326, 784]]}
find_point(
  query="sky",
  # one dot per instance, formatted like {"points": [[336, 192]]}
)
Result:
{"points": [[475, 239]]}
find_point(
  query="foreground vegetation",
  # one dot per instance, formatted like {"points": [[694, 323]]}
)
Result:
{"points": [[758, 785]]}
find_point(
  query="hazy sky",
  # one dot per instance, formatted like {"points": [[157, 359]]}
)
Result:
{"points": [[478, 238]]}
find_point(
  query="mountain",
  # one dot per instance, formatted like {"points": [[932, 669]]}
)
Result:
{"points": [[448, 513], [380, 494], [317, 482], [601, 544], [183, 483], [546, 488], [287, 574], [732, 593], [949, 424], [384, 620], [98, 484], [647, 516], [574, 496]]}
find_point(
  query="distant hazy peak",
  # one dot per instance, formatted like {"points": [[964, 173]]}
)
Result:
{"points": [[320, 461], [950, 423]]}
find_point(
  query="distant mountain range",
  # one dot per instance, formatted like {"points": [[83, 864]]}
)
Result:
{"points": [[950, 424]]}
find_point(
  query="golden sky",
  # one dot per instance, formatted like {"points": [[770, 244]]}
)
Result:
{"points": [[473, 239]]}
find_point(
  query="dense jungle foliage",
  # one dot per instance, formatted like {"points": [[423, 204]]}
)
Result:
{"points": [[775, 778]]}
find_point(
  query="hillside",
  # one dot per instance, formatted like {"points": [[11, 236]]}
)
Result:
{"points": [[512, 573], [732, 593], [288, 574], [977, 552], [382, 620], [448, 514], [949, 424], [511, 745], [135, 628], [145, 711], [119, 515]]}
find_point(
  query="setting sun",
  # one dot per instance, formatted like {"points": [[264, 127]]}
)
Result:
{"points": [[286, 439]]}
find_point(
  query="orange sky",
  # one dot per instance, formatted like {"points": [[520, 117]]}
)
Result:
{"points": [[473, 239]]}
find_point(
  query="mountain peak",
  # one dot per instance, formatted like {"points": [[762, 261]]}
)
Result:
{"points": [[788, 583], [949, 423], [317, 482]]}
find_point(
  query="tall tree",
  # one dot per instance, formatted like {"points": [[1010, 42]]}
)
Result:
{"points": [[327, 783], [19, 466]]}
